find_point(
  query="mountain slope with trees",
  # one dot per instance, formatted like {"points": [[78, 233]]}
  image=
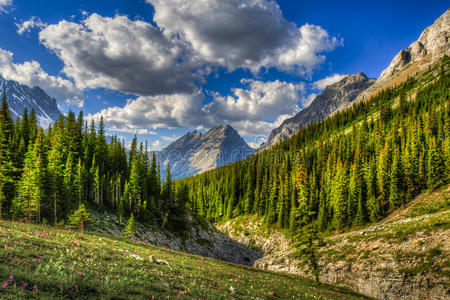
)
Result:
{"points": [[345, 171]]}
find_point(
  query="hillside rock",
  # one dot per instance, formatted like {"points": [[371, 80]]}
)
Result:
{"points": [[196, 152], [20, 96], [335, 97], [433, 43], [198, 239], [375, 263]]}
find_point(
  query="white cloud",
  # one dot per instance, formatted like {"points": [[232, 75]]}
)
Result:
{"points": [[176, 110], [323, 83], [120, 54], [33, 22], [251, 110], [31, 73], [243, 34], [4, 4], [157, 145], [170, 138]]}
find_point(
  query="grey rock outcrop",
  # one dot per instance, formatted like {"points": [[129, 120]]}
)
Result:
{"points": [[335, 97], [196, 152], [20, 96], [204, 240], [433, 43]]}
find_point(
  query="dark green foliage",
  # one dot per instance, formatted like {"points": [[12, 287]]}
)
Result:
{"points": [[49, 174], [347, 170], [130, 228], [79, 217]]}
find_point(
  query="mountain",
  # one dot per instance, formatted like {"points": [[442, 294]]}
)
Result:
{"points": [[196, 152], [335, 96], [432, 44], [20, 96]]}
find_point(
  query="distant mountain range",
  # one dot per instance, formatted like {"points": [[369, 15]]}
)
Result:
{"points": [[20, 96], [196, 152]]}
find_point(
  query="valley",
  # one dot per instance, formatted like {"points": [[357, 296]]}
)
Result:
{"points": [[262, 184]]}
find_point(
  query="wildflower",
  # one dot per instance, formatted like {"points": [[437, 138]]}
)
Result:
{"points": [[11, 278], [35, 288], [5, 285], [25, 285], [179, 295]]}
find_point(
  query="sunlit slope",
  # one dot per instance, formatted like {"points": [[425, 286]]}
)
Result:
{"points": [[43, 262]]}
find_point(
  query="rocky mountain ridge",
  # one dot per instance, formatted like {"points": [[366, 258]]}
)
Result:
{"points": [[433, 43], [334, 97], [20, 96], [196, 152]]}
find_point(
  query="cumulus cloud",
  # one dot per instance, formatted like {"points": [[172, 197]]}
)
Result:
{"points": [[243, 34], [157, 145], [4, 4], [120, 54], [323, 83], [170, 138], [260, 101], [31, 73], [33, 22], [251, 110], [176, 110]]}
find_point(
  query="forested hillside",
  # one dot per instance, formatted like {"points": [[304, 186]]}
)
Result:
{"points": [[47, 174], [346, 170]]}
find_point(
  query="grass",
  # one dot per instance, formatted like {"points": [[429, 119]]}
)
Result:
{"points": [[40, 262]]}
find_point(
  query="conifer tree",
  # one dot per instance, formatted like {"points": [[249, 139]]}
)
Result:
{"points": [[339, 196], [30, 189], [395, 196], [435, 164], [79, 218], [56, 173], [130, 228]]}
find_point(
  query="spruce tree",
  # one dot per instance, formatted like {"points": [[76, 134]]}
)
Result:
{"points": [[79, 218], [130, 228]]}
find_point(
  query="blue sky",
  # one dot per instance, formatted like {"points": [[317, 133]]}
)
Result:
{"points": [[160, 68]]}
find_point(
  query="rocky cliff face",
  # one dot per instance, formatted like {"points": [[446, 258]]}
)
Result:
{"points": [[433, 43], [195, 152], [20, 96], [335, 97]]}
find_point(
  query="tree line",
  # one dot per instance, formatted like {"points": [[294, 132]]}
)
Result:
{"points": [[347, 170], [46, 174]]}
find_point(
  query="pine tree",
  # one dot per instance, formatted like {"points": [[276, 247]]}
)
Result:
{"points": [[56, 173], [383, 176], [30, 188], [79, 217], [339, 196], [435, 164], [130, 228], [395, 196], [79, 181]]}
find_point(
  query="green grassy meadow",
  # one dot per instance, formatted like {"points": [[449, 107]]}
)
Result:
{"points": [[39, 262]]}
